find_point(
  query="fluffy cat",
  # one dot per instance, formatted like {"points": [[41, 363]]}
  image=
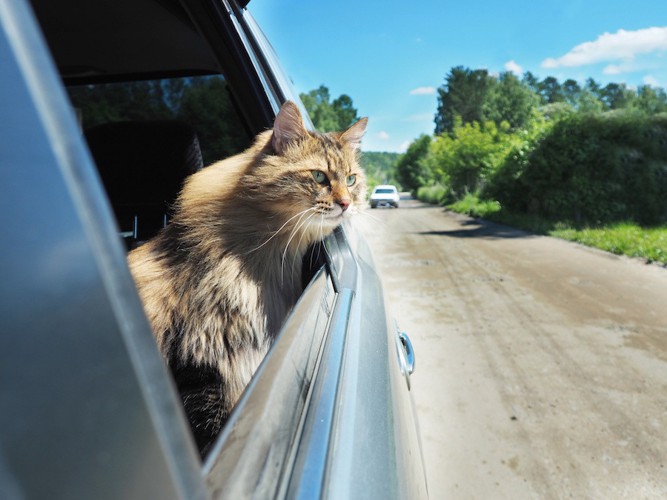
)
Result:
{"points": [[218, 281]]}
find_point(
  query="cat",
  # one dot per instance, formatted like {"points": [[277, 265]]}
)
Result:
{"points": [[218, 281]]}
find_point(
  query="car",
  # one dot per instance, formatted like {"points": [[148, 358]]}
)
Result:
{"points": [[102, 109], [385, 195]]}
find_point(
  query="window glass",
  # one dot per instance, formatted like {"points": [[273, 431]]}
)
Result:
{"points": [[204, 103]]}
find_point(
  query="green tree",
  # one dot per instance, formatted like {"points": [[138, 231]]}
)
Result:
{"points": [[379, 167], [531, 81], [510, 101], [469, 155], [412, 169], [550, 90], [463, 94], [650, 100], [329, 116], [206, 103], [571, 92], [616, 96]]}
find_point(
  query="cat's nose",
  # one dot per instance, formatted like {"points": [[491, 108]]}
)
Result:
{"points": [[344, 203]]}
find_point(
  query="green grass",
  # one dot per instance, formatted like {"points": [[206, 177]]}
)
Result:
{"points": [[471, 205], [432, 194], [622, 239], [627, 238]]}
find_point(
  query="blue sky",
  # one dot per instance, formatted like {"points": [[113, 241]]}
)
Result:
{"points": [[389, 57]]}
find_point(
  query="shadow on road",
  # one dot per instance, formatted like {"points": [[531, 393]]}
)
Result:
{"points": [[476, 228]]}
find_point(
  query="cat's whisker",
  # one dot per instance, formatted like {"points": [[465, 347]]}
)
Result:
{"points": [[296, 228], [281, 228], [326, 252], [303, 233]]}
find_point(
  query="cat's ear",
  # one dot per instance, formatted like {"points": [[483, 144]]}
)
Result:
{"points": [[288, 127], [354, 134]]}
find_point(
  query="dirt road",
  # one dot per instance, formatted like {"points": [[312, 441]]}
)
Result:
{"points": [[541, 364]]}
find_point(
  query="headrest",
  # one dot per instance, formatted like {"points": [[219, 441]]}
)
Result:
{"points": [[145, 161], [142, 165]]}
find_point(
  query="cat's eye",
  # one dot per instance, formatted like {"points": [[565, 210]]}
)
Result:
{"points": [[320, 177], [351, 179]]}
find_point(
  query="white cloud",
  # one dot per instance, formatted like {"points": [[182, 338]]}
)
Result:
{"points": [[423, 91], [651, 80], [623, 45], [513, 67], [616, 69], [382, 135]]}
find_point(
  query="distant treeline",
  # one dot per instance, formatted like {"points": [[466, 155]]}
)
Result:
{"points": [[583, 153]]}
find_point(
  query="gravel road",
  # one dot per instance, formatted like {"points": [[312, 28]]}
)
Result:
{"points": [[541, 364]]}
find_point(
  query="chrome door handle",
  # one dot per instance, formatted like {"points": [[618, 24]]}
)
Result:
{"points": [[409, 352]]}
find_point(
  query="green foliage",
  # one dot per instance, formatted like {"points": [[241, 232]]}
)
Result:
{"points": [[471, 204], [565, 159], [203, 102], [510, 101], [329, 116], [466, 158], [463, 95], [206, 104], [591, 168], [100, 104], [379, 167], [436, 194], [623, 239], [412, 170]]}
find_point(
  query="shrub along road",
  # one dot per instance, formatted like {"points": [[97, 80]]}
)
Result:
{"points": [[541, 365]]}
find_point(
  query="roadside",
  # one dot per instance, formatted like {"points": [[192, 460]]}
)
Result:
{"points": [[541, 364], [620, 238]]}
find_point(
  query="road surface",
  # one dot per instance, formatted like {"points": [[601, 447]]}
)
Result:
{"points": [[541, 365]]}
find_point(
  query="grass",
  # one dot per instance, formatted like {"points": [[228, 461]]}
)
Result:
{"points": [[471, 205], [625, 238], [622, 239], [432, 194]]}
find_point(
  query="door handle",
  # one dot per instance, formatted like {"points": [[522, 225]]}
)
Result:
{"points": [[409, 352]]}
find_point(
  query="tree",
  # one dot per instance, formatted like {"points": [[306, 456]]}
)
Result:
{"points": [[411, 168], [550, 90], [469, 155], [616, 96], [510, 101], [589, 102], [329, 116], [530, 81], [463, 95], [571, 91], [650, 100], [379, 167], [206, 103]]}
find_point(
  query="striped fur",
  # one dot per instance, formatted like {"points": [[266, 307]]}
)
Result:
{"points": [[218, 281]]}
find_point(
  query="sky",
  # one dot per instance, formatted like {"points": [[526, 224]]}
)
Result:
{"points": [[390, 57]]}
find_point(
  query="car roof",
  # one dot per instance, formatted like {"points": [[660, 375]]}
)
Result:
{"points": [[106, 41], [386, 186]]}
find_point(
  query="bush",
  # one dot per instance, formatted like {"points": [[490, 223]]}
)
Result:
{"points": [[436, 194], [590, 169], [472, 205]]}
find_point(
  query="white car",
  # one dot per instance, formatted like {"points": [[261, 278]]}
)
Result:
{"points": [[385, 195]]}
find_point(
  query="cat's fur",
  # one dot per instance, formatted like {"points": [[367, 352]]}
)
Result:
{"points": [[218, 281]]}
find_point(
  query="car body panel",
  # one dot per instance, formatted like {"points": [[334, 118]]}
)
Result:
{"points": [[86, 401]]}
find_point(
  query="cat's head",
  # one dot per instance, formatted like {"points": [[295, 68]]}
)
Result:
{"points": [[313, 177]]}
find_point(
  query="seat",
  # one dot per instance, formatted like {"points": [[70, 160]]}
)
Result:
{"points": [[143, 165]]}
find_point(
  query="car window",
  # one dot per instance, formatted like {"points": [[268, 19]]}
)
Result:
{"points": [[203, 102], [384, 191]]}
